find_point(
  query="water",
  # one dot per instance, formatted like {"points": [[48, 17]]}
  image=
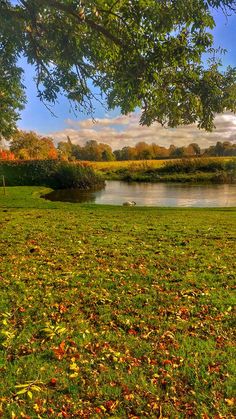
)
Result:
{"points": [[153, 194]]}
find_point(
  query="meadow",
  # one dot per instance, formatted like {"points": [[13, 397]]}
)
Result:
{"points": [[127, 164], [115, 312]]}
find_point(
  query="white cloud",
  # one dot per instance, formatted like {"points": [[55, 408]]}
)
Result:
{"points": [[125, 130]]}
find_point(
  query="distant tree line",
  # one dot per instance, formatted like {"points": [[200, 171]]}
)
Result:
{"points": [[29, 145], [95, 151]]}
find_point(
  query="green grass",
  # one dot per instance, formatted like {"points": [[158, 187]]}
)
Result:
{"points": [[115, 312]]}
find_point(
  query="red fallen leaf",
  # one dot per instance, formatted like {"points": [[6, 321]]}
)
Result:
{"points": [[21, 309], [214, 367], [167, 362], [60, 351], [132, 332], [162, 346], [98, 410], [62, 308], [152, 361], [220, 342], [53, 382], [111, 405], [106, 345]]}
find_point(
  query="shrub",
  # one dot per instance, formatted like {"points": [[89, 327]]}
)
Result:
{"points": [[55, 174], [197, 165], [72, 175]]}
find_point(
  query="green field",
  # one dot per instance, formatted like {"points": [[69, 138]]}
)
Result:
{"points": [[115, 312]]}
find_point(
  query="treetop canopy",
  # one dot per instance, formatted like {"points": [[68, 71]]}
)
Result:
{"points": [[140, 53]]}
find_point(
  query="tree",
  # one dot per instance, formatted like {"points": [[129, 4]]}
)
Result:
{"points": [[177, 153], [196, 150], [12, 97], [127, 153], [145, 54], [221, 149], [65, 149], [6, 155], [29, 145]]}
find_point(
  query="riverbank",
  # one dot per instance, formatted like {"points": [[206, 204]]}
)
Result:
{"points": [[115, 311], [194, 170]]}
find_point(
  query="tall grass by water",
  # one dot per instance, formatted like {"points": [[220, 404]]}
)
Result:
{"points": [[192, 170]]}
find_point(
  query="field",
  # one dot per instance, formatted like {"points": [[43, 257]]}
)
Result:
{"points": [[111, 166], [115, 312], [141, 164]]}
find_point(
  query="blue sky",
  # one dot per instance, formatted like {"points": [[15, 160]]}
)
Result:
{"points": [[36, 117]]}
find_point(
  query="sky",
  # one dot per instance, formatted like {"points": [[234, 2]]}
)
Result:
{"points": [[119, 130]]}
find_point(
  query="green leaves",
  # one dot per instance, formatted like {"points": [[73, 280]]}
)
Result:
{"points": [[52, 331], [29, 388], [121, 47]]}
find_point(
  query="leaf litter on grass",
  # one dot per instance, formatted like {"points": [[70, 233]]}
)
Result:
{"points": [[116, 315]]}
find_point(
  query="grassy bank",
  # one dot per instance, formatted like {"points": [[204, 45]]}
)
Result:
{"points": [[115, 312], [198, 170]]}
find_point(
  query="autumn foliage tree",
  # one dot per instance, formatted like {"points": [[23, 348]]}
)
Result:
{"points": [[29, 145], [146, 54], [6, 155]]}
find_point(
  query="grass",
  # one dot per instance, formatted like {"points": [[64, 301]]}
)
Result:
{"points": [[193, 170], [133, 164], [115, 312]]}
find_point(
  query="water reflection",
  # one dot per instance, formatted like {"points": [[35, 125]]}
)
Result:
{"points": [[153, 194], [71, 195]]}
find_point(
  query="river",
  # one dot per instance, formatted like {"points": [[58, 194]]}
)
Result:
{"points": [[153, 194]]}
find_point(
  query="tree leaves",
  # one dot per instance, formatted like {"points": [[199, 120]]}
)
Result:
{"points": [[139, 54]]}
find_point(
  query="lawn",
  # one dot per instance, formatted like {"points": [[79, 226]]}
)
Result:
{"points": [[115, 312]]}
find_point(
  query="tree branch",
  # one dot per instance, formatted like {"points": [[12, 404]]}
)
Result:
{"points": [[93, 25]]}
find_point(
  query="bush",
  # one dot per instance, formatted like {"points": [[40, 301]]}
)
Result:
{"points": [[198, 165], [55, 174], [69, 175]]}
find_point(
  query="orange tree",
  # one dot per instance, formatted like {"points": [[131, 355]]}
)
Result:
{"points": [[29, 145]]}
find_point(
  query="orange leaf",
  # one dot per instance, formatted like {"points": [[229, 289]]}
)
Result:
{"points": [[60, 351]]}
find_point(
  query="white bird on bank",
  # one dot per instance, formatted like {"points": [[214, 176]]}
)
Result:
{"points": [[129, 204]]}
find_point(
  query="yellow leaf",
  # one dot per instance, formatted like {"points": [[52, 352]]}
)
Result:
{"points": [[29, 394], [103, 408], [230, 402], [36, 408], [74, 375], [23, 391]]}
